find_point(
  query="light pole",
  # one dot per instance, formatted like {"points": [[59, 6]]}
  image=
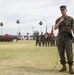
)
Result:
{"points": [[33, 29], [27, 36]]}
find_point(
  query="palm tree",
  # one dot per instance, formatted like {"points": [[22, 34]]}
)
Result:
{"points": [[1, 24], [18, 27], [40, 23]]}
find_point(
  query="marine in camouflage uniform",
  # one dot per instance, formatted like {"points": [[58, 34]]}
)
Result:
{"points": [[41, 40], [47, 39], [37, 40], [65, 39]]}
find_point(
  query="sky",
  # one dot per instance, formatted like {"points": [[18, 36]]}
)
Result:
{"points": [[30, 13]]}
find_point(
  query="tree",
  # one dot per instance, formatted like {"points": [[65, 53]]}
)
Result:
{"points": [[1, 24], [18, 27], [40, 23]]}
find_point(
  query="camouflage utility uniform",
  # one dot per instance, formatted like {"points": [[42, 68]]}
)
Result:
{"points": [[65, 40]]}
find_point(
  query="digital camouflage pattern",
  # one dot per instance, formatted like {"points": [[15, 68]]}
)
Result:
{"points": [[65, 39]]}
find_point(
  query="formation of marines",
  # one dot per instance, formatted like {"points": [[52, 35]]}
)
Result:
{"points": [[45, 39]]}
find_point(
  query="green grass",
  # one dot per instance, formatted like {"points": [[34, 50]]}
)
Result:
{"points": [[24, 58]]}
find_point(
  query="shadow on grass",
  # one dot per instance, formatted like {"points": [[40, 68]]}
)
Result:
{"points": [[30, 69], [40, 70], [34, 70]]}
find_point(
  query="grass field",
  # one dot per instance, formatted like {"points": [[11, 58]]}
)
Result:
{"points": [[24, 58]]}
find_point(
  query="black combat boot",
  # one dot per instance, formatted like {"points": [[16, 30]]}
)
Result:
{"points": [[63, 69], [71, 70]]}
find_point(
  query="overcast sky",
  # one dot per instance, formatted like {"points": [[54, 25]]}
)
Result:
{"points": [[30, 12]]}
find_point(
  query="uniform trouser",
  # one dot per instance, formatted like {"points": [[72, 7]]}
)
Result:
{"points": [[47, 42], [65, 46]]}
